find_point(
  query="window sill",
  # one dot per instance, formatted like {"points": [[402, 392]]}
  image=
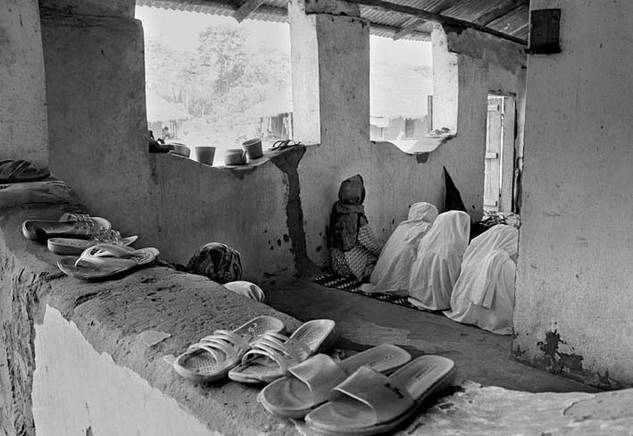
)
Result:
{"points": [[422, 147], [249, 166]]}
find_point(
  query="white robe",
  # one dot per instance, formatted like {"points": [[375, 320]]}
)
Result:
{"points": [[391, 273], [438, 262], [484, 293]]}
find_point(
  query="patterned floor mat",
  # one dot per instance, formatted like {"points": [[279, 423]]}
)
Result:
{"points": [[350, 284]]}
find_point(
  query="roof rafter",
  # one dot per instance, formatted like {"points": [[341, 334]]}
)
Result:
{"points": [[499, 12], [247, 8], [444, 6], [430, 16], [408, 28]]}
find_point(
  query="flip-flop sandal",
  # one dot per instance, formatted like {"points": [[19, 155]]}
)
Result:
{"points": [[213, 357], [105, 261], [68, 246], [368, 402], [15, 171], [81, 226], [309, 383], [272, 354]]}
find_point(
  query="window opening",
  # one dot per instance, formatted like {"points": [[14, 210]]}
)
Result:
{"points": [[211, 81], [401, 81]]}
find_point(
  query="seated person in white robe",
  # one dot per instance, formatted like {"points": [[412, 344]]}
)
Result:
{"points": [[391, 273], [438, 262], [484, 293]]}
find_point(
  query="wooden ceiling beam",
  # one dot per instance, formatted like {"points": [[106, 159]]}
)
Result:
{"points": [[247, 8], [442, 19], [499, 12]]}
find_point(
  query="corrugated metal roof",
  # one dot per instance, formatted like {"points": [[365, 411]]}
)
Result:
{"points": [[509, 17]]}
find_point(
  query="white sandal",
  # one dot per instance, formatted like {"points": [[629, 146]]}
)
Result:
{"points": [[213, 357], [106, 260], [272, 354]]}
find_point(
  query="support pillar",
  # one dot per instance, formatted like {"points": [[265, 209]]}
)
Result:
{"points": [[330, 74], [95, 78], [23, 129]]}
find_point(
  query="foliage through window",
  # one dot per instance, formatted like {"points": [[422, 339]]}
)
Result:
{"points": [[213, 82], [401, 79]]}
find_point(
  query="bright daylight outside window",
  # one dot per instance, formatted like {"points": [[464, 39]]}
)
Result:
{"points": [[400, 79], [213, 82]]}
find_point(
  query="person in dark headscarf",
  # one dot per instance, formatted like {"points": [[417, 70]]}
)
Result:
{"points": [[353, 246], [217, 261]]}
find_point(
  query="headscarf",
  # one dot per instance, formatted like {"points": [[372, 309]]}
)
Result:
{"points": [[391, 274], [217, 261], [438, 261], [348, 214]]}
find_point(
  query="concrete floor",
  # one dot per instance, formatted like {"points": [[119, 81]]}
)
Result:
{"points": [[362, 322]]}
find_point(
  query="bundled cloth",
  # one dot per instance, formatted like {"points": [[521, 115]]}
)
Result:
{"points": [[217, 261], [484, 292], [392, 271], [439, 260], [353, 246], [246, 289]]}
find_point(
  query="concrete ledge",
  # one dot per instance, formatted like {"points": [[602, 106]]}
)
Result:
{"points": [[87, 358], [116, 318]]}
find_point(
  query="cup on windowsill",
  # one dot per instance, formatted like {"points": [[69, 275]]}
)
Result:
{"points": [[253, 148], [234, 156], [205, 155]]}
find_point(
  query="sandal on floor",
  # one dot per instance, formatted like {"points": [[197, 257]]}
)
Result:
{"points": [[368, 402], [69, 246], [272, 354], [106, 260], [213, 357], [74, 225], [309, 383]]}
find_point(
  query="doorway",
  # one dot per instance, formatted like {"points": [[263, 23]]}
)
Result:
{"points": [[499, 158]]}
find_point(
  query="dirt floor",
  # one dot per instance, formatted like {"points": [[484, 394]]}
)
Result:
{"points": [[362, 322]]}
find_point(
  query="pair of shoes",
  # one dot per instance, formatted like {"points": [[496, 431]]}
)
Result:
{"points": [[79, 231], [353, 397], [69, 224], [256, 352], [103, 261]]}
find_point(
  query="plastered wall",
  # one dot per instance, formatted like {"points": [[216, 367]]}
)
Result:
{"points": [[574, 295], [23, 128], [275, 214]]}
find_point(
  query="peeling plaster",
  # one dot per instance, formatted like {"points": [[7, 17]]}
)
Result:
{"points": [[288, 163]]}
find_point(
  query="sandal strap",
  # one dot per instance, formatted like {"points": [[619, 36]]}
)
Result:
{"points": [[285, 353], [375, 391], [222, 345], [320, 374], [288, 346]]}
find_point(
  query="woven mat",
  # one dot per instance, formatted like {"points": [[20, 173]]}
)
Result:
{"points": [[350, 284]]}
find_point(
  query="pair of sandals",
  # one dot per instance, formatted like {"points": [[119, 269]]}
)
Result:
{"points": [[73, 233], [85, 235], [354, 396], [102, 261], [256, 352]]}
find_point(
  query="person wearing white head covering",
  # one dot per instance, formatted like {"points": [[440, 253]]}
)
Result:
{"points": [[438, 262], [391, 273], [484, 292]]}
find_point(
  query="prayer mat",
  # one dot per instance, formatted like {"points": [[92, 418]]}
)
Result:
{"points": [[350, 284]]}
